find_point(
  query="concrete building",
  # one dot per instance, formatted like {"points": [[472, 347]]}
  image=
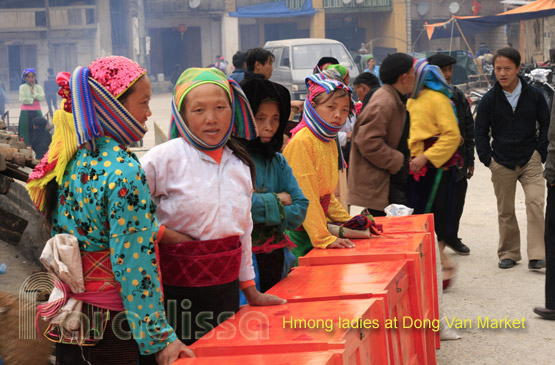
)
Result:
{"points": [[61, 34], [159, 34], [193, 32]]}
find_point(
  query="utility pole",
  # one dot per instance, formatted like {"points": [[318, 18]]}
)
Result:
{"points": [[142, 33], [49, 36]]}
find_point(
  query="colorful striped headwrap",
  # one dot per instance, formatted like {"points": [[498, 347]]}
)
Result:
{"points": [[96, 112], [242, 120], [431, 77], [317, 84]]}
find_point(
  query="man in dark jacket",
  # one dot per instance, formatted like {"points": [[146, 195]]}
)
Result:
{"points": [[518, 117], [239, 63], [260, 64], [548, 312], [466, 150], [51, 90]]}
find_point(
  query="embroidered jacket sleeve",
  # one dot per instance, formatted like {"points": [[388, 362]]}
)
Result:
{"points": [[425, 124], [133, 228], [267, 207]]}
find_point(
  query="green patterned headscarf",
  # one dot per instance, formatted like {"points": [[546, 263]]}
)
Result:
{"points": [[242, 121]]}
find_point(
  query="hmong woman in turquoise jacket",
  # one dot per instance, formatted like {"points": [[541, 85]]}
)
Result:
{"points": [[278, 203]]}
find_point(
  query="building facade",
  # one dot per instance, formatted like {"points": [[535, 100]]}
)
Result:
{"points": [[60, 34]]}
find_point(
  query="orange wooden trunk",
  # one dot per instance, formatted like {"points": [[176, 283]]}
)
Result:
{"points": [[409, 224], [413, 224], [417, 247], [394, 281], [302, 327], [296, 358]]}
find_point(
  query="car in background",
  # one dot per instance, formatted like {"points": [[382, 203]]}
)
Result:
{"points": [[295, 59]]}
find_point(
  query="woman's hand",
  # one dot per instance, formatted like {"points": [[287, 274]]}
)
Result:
{"points": [[172, 237], [285, 198], [418, 163], [256, 298], [342, 243], [172, 352]]}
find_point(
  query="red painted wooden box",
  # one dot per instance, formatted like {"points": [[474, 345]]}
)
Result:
{"points": [[303, 327], [394, 281]]}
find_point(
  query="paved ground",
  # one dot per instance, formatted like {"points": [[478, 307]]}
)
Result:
{"points": [[480, 290]]}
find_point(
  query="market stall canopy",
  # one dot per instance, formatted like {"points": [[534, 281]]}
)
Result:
{"points": [[273, 10], [475, 24]]}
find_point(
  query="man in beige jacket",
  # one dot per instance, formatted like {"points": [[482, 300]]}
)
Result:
{"points": [[379, 152]]}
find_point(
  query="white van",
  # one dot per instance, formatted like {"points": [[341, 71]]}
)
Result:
{"points": [[296, 58]]}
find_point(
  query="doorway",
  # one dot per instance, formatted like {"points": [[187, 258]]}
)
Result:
{"points": [[20, 58]]}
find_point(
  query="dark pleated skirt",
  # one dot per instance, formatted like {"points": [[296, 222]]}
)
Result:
{"points": [[109, 350], [193, 312], [270, 268]]}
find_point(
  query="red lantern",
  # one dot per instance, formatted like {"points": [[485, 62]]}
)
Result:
{"points": [[181, 28]]}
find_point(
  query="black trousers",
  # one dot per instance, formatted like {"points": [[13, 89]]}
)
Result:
{"points": [[550, 249], [460, 197], [443, 206]]}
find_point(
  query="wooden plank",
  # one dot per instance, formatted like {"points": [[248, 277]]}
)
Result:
{"points": [[5, 183], [11, 227]]}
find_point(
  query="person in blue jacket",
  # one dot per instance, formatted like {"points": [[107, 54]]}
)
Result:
{"points": [[278, 203]]}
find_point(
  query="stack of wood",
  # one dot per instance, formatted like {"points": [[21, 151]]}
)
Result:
{"points": [[14, 157]]}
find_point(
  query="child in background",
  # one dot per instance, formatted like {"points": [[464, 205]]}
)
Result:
{"points": [[40, 138]]}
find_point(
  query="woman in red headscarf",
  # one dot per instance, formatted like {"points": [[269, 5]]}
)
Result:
{"points": [[92, 188]]}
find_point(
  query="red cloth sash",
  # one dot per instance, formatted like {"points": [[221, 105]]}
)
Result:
{"points": [[101, 289], [325, 203], [200, 263]]}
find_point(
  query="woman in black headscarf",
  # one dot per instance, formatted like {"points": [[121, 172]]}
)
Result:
{"points": [[278, 203]]}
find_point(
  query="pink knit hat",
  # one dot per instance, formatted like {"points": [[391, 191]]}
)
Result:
{"points": [[116, 73]]}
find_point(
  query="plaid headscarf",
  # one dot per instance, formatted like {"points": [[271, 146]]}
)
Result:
{"points": [[242, 120], [431, 77], [317, 84]]}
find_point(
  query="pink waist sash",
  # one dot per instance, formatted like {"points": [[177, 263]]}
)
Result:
{"points": [[34, 106], [201, 263]]}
